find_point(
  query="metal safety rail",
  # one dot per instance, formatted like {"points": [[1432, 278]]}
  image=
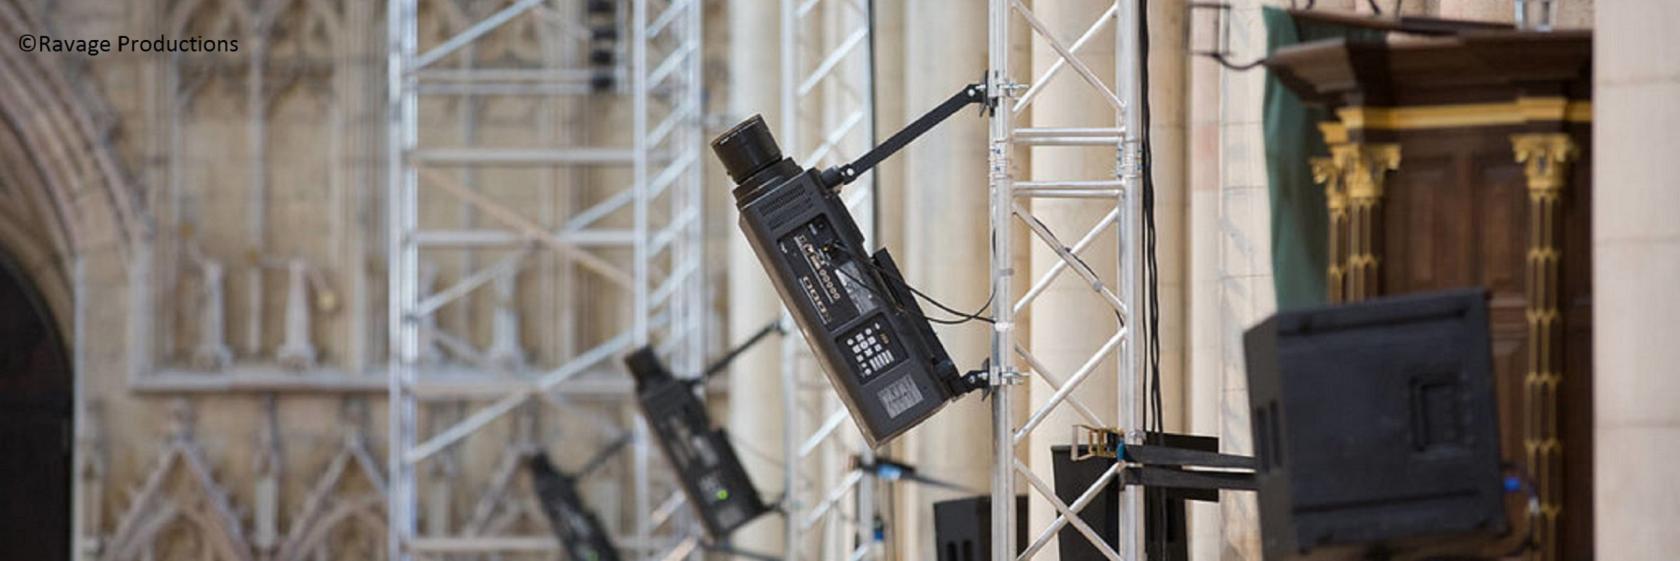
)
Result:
{"points": [[635, 240], [828, 118], [1011, 193]]}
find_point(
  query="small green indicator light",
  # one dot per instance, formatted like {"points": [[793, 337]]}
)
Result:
{"points": [[722, 495]]}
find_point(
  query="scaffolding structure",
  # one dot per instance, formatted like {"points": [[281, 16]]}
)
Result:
{"points": [[639, 239], [828, 118], [1012, 359]]}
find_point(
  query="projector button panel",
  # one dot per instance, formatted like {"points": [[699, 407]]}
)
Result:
{"points": [[871, 349]]}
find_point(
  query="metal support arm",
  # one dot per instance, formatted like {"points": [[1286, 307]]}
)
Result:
{"points": [[839, 176], [775, 326]]}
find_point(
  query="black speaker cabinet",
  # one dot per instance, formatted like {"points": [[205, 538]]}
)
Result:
{"points": [[1375, 425], [1166, 535], [962, 528]]}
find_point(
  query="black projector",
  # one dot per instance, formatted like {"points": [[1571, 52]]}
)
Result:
{"points": [[712, 476], [579, 530], [1375, 426], [853, 308]]}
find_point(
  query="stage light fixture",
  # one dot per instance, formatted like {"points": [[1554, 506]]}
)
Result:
{"points": [[578, 528], [713, 479], [854, 309]]}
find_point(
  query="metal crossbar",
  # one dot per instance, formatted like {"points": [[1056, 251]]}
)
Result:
{"points": [[640, 241], [1011, 358]]}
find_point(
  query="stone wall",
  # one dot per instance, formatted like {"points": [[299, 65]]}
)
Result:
{"points": [[251, 179]]}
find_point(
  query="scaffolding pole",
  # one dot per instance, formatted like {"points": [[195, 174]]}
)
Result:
{"points": [[1010, 196], [828, 118], [652, 255]]}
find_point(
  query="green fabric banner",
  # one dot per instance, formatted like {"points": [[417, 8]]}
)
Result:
{"points": [[1300, 222]]}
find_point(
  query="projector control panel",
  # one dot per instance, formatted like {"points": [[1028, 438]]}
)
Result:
{"points": [[851, 305], [871, 349]]}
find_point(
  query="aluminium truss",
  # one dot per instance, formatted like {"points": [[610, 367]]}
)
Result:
{"points": [[636, 239], [1011, 196], [828, 118]]}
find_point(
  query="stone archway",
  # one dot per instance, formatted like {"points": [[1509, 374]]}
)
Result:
{"points": [[36, 400], [73, 233]]}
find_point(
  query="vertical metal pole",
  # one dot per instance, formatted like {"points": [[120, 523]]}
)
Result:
{"points": [[696, 193], [1131, 398], [790, 438], [790, 77], [403, 274], [866, 509], [639, 110], [866, 488], [642, 495], [791, 435], [1003, 544]]}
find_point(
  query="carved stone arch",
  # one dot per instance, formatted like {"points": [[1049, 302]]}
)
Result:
{"points": [[71, 216], [69, 193]]}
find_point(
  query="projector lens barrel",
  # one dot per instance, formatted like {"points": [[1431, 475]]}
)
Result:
{"points": [[747, 149]]}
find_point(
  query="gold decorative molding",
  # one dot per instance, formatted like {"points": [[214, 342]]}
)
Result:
{"points": [[1546, 159], [1334, 132], [1520, 111], [1367, 167], [1328, 173], [1365, 173]]}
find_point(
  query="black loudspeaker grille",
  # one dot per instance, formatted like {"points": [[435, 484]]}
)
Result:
{"points": [[1375, 424]]}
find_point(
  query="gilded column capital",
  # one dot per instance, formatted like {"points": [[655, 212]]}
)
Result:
{"points": [[1545, 158], [1326, 172], [1366, 167]]}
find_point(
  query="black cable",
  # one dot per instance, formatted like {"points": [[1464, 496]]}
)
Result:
{"points": [[966, 317], [1056, 241], [1235, 66], [1151, 266], [1152, 304]]}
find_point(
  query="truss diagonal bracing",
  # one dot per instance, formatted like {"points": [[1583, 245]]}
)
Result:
{"points": [[584, 215], [1113, 360]]}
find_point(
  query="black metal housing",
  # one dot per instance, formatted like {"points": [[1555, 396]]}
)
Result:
{"points": [[716, 484], [579, 530], [873, 341]]}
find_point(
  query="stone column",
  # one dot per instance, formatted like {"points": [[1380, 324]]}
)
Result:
{"points": [[1169, 90], [1636, 267], [945, 252], [755, 378], [1203, 387]]}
